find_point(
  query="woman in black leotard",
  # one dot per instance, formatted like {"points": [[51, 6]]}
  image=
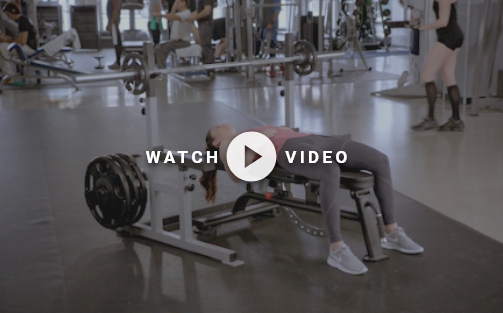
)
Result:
{"points": [[442, 57]]}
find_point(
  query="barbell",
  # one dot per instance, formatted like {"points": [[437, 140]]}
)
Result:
{"points": [[136, 75]]}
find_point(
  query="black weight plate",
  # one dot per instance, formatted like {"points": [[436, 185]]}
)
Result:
{"points": [[143, 190], [107, 192], [133, 187]]}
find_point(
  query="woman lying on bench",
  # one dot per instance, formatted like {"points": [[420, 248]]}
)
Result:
{"points": [[359, 157]]}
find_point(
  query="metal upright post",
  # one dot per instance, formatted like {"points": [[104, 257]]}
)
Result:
{"points": [[32, 12], [330, 27], [151, 101], [320, 36], [237, 29], [289, 84], [465, 78], [229, 31], [493, 45], [184, 204], [251, 40], [478, 61], [151, 113]]}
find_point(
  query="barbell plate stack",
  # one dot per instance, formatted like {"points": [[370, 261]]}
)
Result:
{"points": [[107, 192], [141, 184], [115, 191]]}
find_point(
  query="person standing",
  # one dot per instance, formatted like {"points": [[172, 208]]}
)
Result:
{"points": [[114, 18], [442, 57], [154, 21], [268, 15], [204, 17]]}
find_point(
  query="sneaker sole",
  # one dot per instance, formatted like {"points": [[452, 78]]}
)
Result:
{"points": [[345, 270], [424, 129], [451, 130], [393, 246]]}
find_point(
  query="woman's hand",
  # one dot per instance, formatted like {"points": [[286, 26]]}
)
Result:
{"points": [[415, 27]]}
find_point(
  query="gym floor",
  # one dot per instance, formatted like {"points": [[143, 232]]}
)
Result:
{"points": [[56, 258]]}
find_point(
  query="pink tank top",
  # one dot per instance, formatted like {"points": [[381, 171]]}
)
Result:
{"points": [[279, 139]]}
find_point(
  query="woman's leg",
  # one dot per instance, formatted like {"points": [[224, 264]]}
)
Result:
{"points": [[449, 78], [221, 48], [327, 174], [363, 157], [437, 57], [340, 255], [156, 33]]}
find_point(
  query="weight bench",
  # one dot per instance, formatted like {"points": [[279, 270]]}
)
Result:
{"points": [[194, 53], [23, 60], [178, 230], [58, 57]]}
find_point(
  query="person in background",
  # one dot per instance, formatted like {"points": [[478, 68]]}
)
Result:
{"points": [[219, 34], [114, 18], [26, 37], [154, 21], [7, 26], [204, 17], [181, 29], [268, 21], [442, 57]]}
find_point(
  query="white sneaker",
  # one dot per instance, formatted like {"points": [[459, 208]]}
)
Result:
{"points": [[343, 259], [398, 240]]}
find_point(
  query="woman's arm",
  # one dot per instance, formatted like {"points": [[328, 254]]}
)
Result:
{"points": [[195, 32], [443, 16], [174, 7], [172, 17], [22, 39]]}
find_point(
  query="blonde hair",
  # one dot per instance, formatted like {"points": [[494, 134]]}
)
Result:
{"points": [[209, 179]]}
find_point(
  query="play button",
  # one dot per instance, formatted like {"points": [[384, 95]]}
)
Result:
{"points": [[258, 168]]}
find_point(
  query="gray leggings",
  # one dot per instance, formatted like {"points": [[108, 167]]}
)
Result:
{"points": [[360, 157]]}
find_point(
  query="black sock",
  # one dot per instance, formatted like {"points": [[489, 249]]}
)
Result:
{"points": [[118, 50], [455, 99], [431, 94]]}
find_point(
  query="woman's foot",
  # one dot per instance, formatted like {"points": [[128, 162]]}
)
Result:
{"points": [[343, 259], [427, 124], [398, 240], [452, 125]]}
